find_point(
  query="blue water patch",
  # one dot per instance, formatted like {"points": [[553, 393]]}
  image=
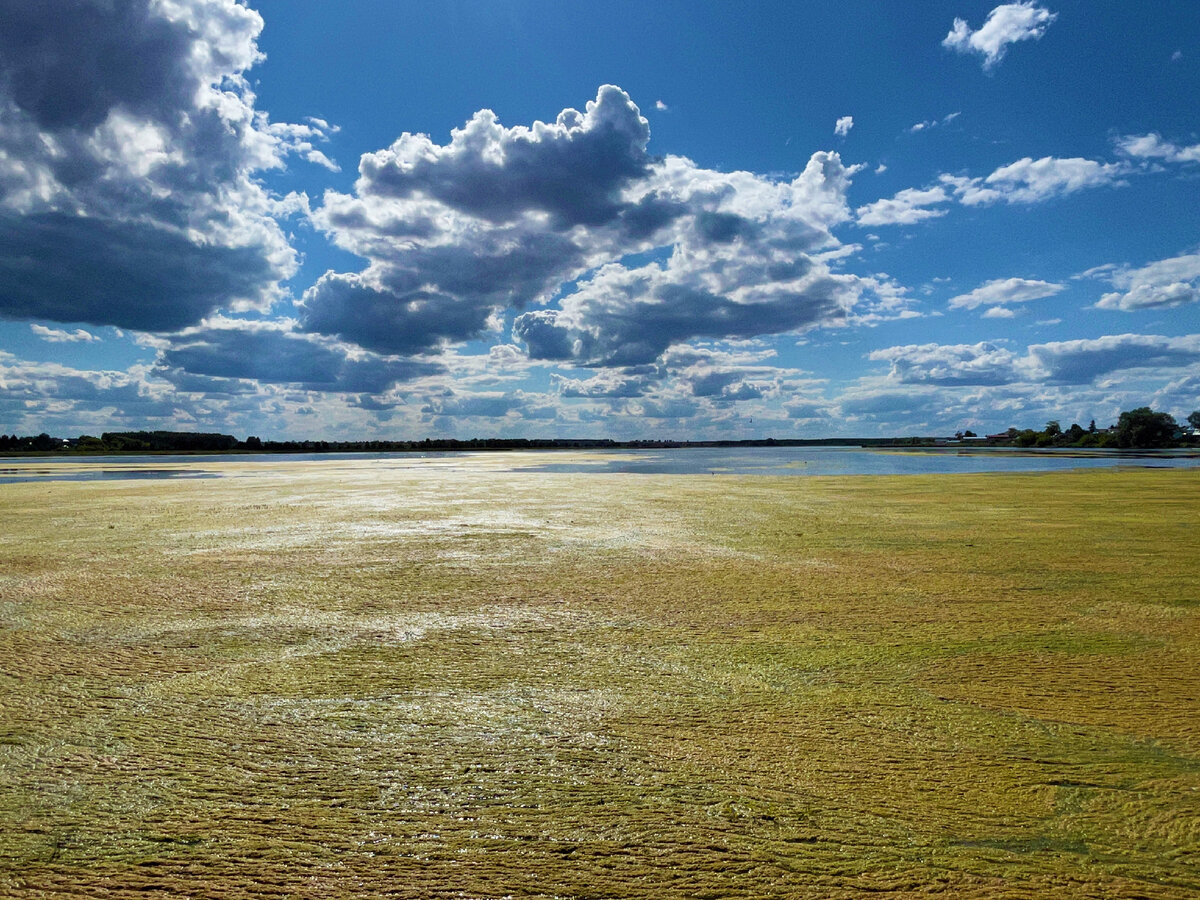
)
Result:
{"points": [[857, 461], [137, 466], [775, 461], [18, 476]]}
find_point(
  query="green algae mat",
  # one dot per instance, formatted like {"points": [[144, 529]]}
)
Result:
{"points": [[446, 678]]}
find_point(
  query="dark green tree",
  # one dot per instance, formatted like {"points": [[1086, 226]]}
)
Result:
{"points": [[1194, 418], [1143, 427], [1026, 438]]}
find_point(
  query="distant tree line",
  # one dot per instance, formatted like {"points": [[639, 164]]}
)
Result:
{"points": [[37, 443], [126, 441], [1141, 428], [194, 442], [1136, 428]]}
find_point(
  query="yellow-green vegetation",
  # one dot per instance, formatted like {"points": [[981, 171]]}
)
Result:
{"points": [[445, 678]]}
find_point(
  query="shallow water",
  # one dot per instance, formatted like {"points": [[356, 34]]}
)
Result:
{"points": [[17, 476], [666, 461], [127, 467], [858, 461]]}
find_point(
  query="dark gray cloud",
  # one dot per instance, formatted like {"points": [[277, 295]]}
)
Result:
{"points": [[69, 64], [392, 309], [129, 145], [1082, 361], [807, 409], [415, 322], [724, 380], [669, 408], [487, 406], [629, 318], [374, 403], [714, 383], [272, 356], [723, 377], [543, 336], [191, 383], [72, 269], [449, 405]]}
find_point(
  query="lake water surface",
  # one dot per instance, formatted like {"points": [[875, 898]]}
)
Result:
{"points": [[859, 461], [673, 461]]}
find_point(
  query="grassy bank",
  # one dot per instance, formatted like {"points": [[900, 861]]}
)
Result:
{"points": [[445, 679]]}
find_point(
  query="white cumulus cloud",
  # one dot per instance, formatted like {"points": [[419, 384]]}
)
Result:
{"points": [[1164, 283], [934, 123], [1034, 180], [1025, 181], [1006, 24], [504, 217], [1152, 146], [907, 207], [1003, 291], [60, 336], [1075, 362], [843, 125], [949, 364]]}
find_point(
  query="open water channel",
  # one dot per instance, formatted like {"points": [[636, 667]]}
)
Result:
{"points": [[671, 461]]}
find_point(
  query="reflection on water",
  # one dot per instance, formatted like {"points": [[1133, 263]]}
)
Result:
{"points": [[671, 461], [125, 467], [857, 461], [16, 476]]}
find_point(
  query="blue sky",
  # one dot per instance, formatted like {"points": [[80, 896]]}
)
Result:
{"points": [[294, 218]]}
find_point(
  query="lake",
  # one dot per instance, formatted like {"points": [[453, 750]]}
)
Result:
{"points": [[775, 461], [858, 461]]}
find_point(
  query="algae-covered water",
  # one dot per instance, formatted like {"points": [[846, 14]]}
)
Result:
{"points": [[452, 679]]}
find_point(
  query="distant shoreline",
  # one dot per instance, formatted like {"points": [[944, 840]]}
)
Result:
{"points": [[907, 445], [768, 461]]}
